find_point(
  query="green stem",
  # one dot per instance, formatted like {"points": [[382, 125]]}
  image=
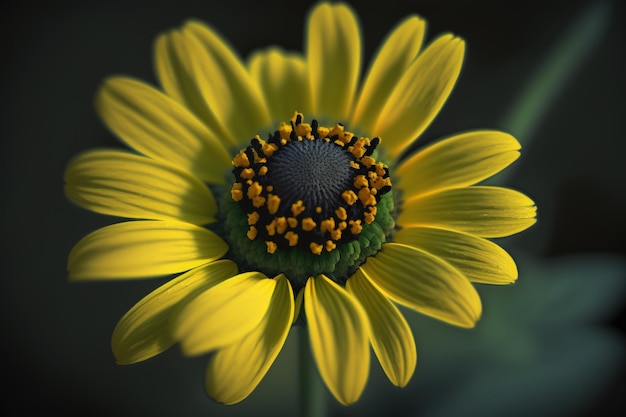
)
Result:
{"points": [[567, 56], [312, 394]]}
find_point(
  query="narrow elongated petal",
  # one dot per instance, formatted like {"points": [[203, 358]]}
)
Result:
{"points": [[122, 184], [478, 259], [458, 161], [225, 83], [142, 249], [143, 332], [333, 49], [420, 94], [390, 62], [157, 126], [391, 336], [236, 370], [483, 211], [223, 314], [424, 283], [284, 82], [176, 72], [339, 331]]}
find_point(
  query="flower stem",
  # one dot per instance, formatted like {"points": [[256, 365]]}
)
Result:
{"points": [[565, 58], [312, 395]]}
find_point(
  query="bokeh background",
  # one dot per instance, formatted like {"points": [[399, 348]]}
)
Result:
{"points": [[551, 345]]}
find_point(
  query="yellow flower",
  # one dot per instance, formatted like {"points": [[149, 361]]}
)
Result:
{"points": [[319, 221]]}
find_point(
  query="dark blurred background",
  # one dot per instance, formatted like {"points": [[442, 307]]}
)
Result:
{"points": [[56, 334]]}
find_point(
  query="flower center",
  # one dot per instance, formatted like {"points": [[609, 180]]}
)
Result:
{"points": [[308, 192], [315, 172]]}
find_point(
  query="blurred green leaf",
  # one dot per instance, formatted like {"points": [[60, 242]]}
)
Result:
{"points": [[541, 348]]}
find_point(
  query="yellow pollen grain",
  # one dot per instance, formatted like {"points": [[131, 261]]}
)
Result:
{"points": [[304, 130], [368, 161], [292, 221], [379, 182], [380, 169], [355, 165], [323, 131], [308, 224], [327, 225], [373, 210], [252, 232], [358, 152], [269, 188], [273, 203], [263, 170], [318, 209], [253, 217], [369, 217], [281, 225], [316, 248], [236, 195], [285, 131], [360, 181], [254, 190], [258, 201], [297, 208], [271, 246], [241, 160], [335, 234], [358, 149], [341, 213], [349, 197], [292, 238], [342, 225], [247, 173], [355, 227], [269, 148], [366, 197], [330, 245], [337, 130], [271, 228], [339, 143]]}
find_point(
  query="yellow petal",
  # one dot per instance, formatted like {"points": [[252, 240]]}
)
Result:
{"points": [[181, 79], [333, 49], [157, 126], [458, 161], [391, 336], [283, 81], [483, 211], [143, 332], [420, 94], [478, 259], [223, 314], [338, 330], [235, 371], [141, 249], [390, 62], [424, 283], [226, 85], [121, 184]]}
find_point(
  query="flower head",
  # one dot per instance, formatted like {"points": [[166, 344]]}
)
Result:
{"points": [[279, 192]]}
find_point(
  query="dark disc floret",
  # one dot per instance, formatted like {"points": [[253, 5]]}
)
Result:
{"points": [[308, 186]]}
